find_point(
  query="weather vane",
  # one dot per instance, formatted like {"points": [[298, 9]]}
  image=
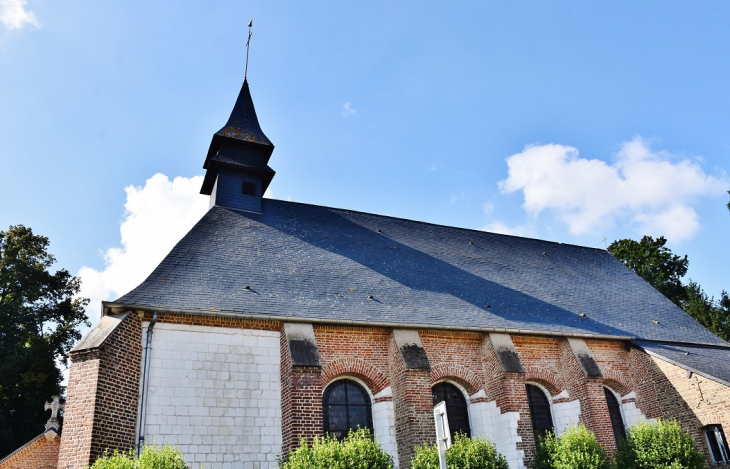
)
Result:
{"points": [[250, 23]]}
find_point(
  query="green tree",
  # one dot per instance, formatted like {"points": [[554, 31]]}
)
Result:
{"points": [[660, 445], [465, 452], [655, 263], [577, 448], [39, 320]]}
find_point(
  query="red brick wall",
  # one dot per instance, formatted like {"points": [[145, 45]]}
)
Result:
{"points": [[103, 391], [39, 453], [456, 356], [215, 321], [695, 401], [301, 400], [103, 384], [412, 405], [365, 356]]}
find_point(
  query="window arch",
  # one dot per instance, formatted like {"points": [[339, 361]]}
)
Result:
{"points": [[457, 409], [617, 419], [346, 405], [542, 418]]}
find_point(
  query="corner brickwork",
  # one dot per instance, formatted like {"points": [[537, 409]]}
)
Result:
{"points": [[412, 404], [301, 400], [102, 396], [694, 400]]}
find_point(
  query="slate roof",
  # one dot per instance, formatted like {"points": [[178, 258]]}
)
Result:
{"points": [[315, 263], [708, 361]]}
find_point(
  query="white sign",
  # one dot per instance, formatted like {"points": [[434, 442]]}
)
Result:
{"points": [[443, 434]]}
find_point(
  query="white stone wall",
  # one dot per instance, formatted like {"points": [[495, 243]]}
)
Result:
{"points": [[384, 424], [565, 414], [487, 420], [215, 393], [507, 439], [632, 414]]}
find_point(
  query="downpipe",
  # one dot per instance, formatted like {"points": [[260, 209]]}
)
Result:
{"points": [[145, 383]]}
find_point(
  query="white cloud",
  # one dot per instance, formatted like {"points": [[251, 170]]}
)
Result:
{"points": [[14, 15], [348, 110], [501, 228], [652, 191], [156, 218], [488, 207]]}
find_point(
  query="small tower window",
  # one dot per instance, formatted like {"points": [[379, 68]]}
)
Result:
{"points": [[542, 419], [249, 188], [717, 443]]}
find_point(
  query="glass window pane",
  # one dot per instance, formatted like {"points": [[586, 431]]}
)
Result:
{"points": [[337, 417], [542, 420], [355, 394], [346, 405], [617, 421], [457, 410], [358, 416], [337, 395]]}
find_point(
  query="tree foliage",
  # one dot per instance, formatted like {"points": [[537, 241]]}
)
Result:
{"points": [[661, 445], [152, 457], [39, 320], [465, 452], [357, 451], [655, 263], [576, 448]]}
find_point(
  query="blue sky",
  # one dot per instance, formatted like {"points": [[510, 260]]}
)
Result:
{"points": [[567, 121]]}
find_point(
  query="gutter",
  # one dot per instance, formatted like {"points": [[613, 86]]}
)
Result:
{"points": [[145, 383], [107, 307]]}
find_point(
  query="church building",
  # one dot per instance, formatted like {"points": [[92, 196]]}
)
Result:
{"points": [[273, 320]]}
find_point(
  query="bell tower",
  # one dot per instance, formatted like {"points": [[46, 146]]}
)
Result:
{"points": [[237, 170]]}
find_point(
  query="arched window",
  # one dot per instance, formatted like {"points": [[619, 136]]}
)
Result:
{"points": [[346, 406], [617, 421], [542, 419], [456, 408]]}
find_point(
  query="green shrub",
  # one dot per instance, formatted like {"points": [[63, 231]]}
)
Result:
{"points": [[152, 457], [465, 453], [658, 446], [576, 448], [357, 451]]}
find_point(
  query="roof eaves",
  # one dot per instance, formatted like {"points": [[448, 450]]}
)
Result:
{"points": [[683, 366], [109, 306]]}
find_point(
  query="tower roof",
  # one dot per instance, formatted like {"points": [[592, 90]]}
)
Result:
{"points": [[242, 126]]}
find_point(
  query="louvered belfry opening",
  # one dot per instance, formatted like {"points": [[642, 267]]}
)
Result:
{"points": [[542, 419], [457, 410], [346, 407], [617, 421]]}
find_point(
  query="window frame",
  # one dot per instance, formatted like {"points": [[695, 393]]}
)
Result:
{"points": [[327, 391], [717, 429], [549, 398], [620, 403], [467, 402]]}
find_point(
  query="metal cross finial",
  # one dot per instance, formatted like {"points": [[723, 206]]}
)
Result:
{"points": [[250, 23], [54, 406], [604, 242]]}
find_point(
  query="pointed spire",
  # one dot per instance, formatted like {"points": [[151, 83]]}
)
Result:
{"points": [[243, 123], [242, 126]]}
